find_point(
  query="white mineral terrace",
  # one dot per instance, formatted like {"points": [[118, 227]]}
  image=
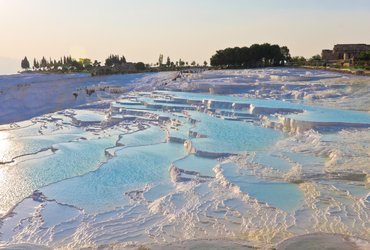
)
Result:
{"points": [[248, 158]]}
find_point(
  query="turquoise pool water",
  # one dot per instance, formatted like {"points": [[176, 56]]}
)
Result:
{"points": [[313, 113], [199, 164], [105, 188], [71, 159], [286, 196], [230, 136], [239, 174]]}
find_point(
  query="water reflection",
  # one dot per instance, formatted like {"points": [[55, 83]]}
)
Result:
{"points": [[5, 145]]}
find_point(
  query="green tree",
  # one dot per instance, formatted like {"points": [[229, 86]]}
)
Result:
{"points": [[76, 65], [114, 60], [205, 63], [168, 62], [43, 63], [193, 63], [85, 62], [298, 60], [160, 60], [35, 64], [181, 63], [315, 60], [364, 56], [25, 64], [257, 55], [96, 63], [140, 66], [123, 59], [286, 54]]}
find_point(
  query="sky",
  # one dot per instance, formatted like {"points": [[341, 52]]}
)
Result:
{"points": [[187, 29]]}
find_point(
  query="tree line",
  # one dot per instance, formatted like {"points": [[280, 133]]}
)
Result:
{"points": [[179, 63], [113, 60], [65, 63], [69, 64], [113, 63], [257, 55]]}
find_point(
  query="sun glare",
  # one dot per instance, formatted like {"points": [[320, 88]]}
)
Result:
{"points": [[4, 144], [77, 51]]}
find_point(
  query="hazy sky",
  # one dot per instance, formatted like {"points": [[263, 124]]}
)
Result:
{"points": [[187, 29]]}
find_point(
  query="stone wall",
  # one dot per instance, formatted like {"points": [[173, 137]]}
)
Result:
{"points": [[344, 52]]}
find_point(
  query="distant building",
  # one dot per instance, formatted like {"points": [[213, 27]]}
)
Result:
{"points": [[344, 53]]}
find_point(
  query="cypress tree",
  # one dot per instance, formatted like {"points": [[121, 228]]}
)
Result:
{"points": [[25, 64], [168, 62], [43, 62], [35, 64]]}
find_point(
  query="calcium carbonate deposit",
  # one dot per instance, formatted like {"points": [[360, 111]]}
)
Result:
{"points": [[252, 156]]}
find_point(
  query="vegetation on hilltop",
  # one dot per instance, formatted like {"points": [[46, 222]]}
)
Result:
{"points": [[63, 64], [361, 63], [267, 55], [114, 64], [257, 55]]}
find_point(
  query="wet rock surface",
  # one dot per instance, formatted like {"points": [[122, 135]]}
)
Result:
{"points": [[239, 155]]}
